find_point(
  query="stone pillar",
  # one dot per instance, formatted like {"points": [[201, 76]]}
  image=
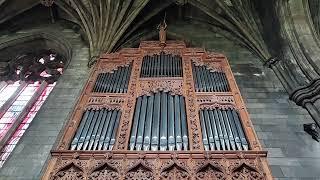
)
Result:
{"points": [[306, 96]]}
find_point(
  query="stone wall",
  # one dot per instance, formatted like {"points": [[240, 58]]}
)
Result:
{"points": [[277, 121]]}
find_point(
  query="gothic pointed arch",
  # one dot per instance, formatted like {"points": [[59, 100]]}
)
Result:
{"points": [[105, 171], [139, 170], [70, 170], [174, 169], [245, 171], [211, 171]]}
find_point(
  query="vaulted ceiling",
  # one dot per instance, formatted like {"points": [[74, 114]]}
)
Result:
{"points": [[108, 25]]}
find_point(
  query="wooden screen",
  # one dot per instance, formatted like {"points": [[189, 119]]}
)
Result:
{"points": [[160, 113]]}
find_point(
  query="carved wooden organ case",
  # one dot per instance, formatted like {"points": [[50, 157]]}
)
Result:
{"points": [[160, 113]]}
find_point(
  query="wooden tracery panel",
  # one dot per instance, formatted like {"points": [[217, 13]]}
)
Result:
{"points": [[203, 81]]}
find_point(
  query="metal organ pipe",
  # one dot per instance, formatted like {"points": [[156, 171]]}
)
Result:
{"points": [[159, 123], [156, 122], [113, 82], [163, 65], [95, 128], [148, 125], [222, 130], [164, 122], [207, 81]]}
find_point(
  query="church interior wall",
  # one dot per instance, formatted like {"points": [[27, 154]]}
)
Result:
{"points": [[277, 120]]}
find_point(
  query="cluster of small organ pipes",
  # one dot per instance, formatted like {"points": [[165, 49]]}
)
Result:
{"points": [[97, 130], [160, 120], [206, 80], [163, 65], [113, 82]]}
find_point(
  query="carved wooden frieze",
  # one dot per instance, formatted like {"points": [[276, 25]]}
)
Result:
{"points": [[109, 102], [211, 101], [113, 64], [148, 86], [214, 66], [152, 166]]}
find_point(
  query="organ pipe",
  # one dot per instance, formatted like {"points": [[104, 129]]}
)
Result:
{"points": [[222, 130], [97, 130], [207, 81], [113, 82], [163, 65], [160, 117]]}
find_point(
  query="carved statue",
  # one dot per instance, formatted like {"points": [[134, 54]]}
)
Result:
{"points": [[162, 33]]}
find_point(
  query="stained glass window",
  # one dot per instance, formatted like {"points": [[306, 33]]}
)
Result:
{"points": [[22, 93], [7, 91], [25, 95]]}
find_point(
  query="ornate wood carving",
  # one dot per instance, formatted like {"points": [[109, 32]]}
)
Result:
{"points": [[174, 168], [112, 62], [126, 119], [191, 106], [130, 165], [148, 86], [210, 170], [110, 102], [120, 163], [210, 101], [211, 64]]}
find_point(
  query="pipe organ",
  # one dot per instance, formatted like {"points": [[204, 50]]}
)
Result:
{"points": [[159, 112]]}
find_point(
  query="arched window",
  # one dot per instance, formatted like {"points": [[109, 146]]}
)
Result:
{"points": [[25, 84]]}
